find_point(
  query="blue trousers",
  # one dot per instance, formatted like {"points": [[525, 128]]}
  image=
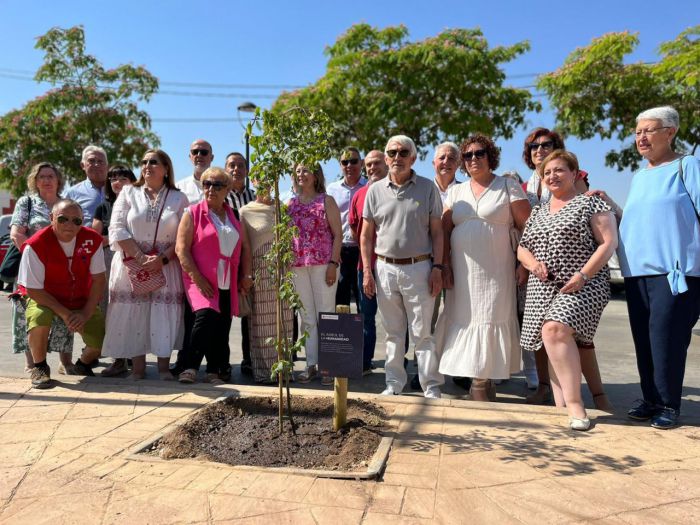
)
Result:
{"points": [[661, 326], [368, 307]]}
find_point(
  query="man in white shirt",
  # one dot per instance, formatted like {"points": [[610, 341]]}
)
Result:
{"points": [[62, 273], [201, 156], [343, 191]]}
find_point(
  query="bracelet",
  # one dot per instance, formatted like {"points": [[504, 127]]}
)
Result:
{"points": [[249, 277], [440, 267], [585, 277]]}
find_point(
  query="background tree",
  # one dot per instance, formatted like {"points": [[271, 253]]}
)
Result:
{"points": [[596, 94], [88, 105], [295, 136], [378, 84]]}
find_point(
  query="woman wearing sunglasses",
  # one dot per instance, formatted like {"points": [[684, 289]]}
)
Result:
{"points": [[538, 145], [45, 183], [215, 256], [143, 227], [478, 328], [566, 244]]}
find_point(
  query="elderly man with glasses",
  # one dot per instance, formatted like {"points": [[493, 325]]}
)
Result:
{"points": [[343, 191], [62, 273], [404, 210], [201, 156]]}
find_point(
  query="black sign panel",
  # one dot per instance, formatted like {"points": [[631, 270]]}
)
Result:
{"points": [[340, 345]]}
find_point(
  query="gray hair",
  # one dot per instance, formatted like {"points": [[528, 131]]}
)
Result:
{"points": [[404, 141], [454, 148], [93, 149], [65, 203], [666, 114]]}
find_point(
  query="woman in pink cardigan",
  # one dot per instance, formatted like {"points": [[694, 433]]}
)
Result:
{"points": [[212, 248]]}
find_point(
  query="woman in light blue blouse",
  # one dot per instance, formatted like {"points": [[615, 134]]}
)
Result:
{"points": [[660, 260]]}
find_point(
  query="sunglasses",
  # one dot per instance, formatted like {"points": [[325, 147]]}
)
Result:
{"points": [[201, 152], [150, 162], [354, 162], [479, 154], [547, 144], [62, 219], [216, 186], [401, 152]]}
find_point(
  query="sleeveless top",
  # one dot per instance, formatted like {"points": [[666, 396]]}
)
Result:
{"points": [[313, 243]]}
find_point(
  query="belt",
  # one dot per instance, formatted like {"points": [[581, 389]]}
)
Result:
{"points": [[407, 260]]}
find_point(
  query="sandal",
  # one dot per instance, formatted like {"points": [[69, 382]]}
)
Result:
{"points": [[327, 381], [188, 376], [542, 396], [118, 367], [213, 379]]}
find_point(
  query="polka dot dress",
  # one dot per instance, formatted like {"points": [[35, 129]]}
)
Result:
{"points": [[564, 242]]}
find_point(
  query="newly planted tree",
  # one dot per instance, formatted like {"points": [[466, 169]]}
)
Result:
{"points": [[295, 136], [88, 104]]}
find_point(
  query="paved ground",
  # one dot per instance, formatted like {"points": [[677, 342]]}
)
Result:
{"points": [[64, 457]]}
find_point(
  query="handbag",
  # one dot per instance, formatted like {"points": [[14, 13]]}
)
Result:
{"points": [[245, 307], [680, 172], [144, 281], [10, 264]]}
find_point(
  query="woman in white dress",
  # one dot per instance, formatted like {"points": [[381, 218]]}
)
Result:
{"points": [[152, 322], [478, 328]]}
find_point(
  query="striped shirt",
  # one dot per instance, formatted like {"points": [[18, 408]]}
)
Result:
{"points": [[237, 200]]}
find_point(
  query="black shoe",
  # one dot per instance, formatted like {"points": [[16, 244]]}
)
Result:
{"points": [[641, 411], [415, 383], [463, 382], [225, 373], [665, 418], [81, 369], [246, 368], [41, 376]]}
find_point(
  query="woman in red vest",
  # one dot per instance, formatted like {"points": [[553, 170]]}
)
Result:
{"points": [[212, 247]]}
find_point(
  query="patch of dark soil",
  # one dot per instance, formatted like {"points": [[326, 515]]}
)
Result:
{"points": [[245, 431]]}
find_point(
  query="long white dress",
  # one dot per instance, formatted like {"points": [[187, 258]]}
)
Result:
{"points": [[477, 330], [150, 323]]}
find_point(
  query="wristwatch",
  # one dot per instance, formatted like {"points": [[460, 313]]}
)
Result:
{"points": [[440, 267], [165, 260], [585, 277]]}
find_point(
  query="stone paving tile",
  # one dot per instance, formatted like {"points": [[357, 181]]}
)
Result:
{"points": [[682, 513], [43, 484], [183, 476], [280, 487], [401, 463], [469, 506], [154, 474], [332, 516], [415, 444], [57, 395], [374, 518], [338, 493], [89, 428], [227, 507], [482, 470], [9, 478], [53, 412], [156, 506], [27, 432], [386, 499], [55, 509], [20, 454], [208, 481], [408, 480], [237, 482], [418, 503]]}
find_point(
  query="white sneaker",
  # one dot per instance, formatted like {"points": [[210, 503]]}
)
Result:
{"points": [[432, 393], [388, 391]]}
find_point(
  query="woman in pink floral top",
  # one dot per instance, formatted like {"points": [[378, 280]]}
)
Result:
{"points": [[317, 257]]}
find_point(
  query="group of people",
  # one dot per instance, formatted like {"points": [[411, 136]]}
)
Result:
{"points": [[519, 267]]}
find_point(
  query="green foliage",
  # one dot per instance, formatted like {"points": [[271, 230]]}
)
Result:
{"points": [[88, 105], [596, 94], [379, 84], [295, 136]]}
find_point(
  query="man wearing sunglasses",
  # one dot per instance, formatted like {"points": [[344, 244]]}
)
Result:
{"points": [[62, 273], [404, 210], [201, 156], [343, 191], [90, 193]]}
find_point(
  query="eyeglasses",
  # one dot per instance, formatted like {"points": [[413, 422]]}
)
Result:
{"points": [[62, 219], [479, 154], [201, 152], [150, 162], [46, 177], [401, 152], [216, 186], [547, 144], [651, 131], [354, 162]]}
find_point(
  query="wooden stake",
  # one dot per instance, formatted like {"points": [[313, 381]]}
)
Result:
{"points": [[340, 389]]}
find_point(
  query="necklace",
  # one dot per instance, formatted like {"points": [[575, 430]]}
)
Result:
{"points": [[153, 205]]}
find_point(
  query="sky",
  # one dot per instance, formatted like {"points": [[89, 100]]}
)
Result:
{"points": [[281, 43]]}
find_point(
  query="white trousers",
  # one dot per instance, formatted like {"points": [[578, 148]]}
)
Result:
{"points": [[316, 296], [403, 295]]}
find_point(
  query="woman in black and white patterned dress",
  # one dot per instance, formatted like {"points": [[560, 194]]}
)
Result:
{"points": [[566, 244]]}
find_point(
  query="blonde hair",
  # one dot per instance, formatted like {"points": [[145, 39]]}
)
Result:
{"points": [[31, 177], [566, 156]]}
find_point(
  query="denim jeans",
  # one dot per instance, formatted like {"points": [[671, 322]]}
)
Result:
{"points": [[368, 307], [662, 326]]}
